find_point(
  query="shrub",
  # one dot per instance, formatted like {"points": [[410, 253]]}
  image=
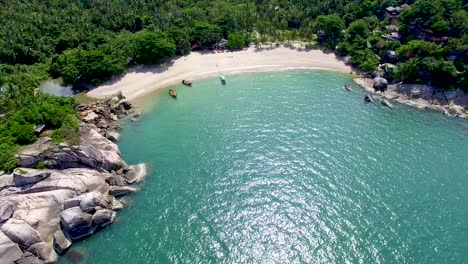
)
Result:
{"points": [[8, 161], [235, 41]]}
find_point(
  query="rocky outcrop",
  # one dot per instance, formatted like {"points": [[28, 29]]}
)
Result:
{"points": [[135, 173], [20, 232], [121, 190], [76, 223], [61, 243], [9, 251], [94, 151], [6, 210], [44, 251], [452, 103], [380, 84], [42, 211], [103, 218], [28, 258]]}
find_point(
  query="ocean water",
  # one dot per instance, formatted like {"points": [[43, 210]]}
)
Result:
{"points": [[288, 167]]}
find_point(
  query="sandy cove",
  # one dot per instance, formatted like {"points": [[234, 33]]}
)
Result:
{"points": [[197, 65]]}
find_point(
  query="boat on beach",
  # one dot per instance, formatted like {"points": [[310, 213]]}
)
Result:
{"points": [[188, 83], [172, 93]]}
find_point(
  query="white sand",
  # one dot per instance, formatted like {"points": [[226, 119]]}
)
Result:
{"points": [[141, 81]]}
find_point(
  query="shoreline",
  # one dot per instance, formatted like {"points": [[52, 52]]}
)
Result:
{"points": [[453, 103], [143, 80]]}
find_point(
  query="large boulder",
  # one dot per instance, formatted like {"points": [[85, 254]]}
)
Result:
{"points": [[115, 180], [136, 173], [380, 84], [20, 232], [116, 204], [90, 201], [72, 202], [103, 218], [31, 155], [61, 242], [24, 176], [28, 258], [113, 136], [76, 223], [44, 251], [6, 210], [121, 190], [9, 251]]}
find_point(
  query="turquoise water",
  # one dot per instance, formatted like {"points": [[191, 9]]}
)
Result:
{"points": [[289, 168]]}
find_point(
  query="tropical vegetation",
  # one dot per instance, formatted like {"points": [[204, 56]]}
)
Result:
{"points": [[87, 42]]}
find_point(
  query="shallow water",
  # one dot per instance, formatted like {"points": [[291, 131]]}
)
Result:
{"points": [[54, 87], [289, 168]]}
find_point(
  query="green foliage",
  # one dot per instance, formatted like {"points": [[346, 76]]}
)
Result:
{"points": [[236, 41], [68, 132], [409, 71], [366, 60], [40, 166], [8, 161], [205, 34], [359, 28], [78, 65], [417, 48], [18, 126], [152, 47], [330, 29]]}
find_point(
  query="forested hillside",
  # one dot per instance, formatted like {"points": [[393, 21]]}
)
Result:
{"points": [[88, 41]]}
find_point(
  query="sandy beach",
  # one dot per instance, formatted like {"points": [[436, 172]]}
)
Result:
{"points": [[197, 65]]}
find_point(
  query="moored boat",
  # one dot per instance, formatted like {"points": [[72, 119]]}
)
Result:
{"points": [[188, 83], [172, 93], [347, 88], [223, 79]]}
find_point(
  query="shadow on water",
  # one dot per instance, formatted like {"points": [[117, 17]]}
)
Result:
{"points": [[76, 255]]}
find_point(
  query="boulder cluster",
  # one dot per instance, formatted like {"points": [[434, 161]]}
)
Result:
{"points": [[74, 194]]}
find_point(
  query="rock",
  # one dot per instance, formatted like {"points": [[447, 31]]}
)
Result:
{"points": [[133, 119], [23, 176], [20, 232], [102, 124], [97, 151], [90, 117], [112, 135], [6, 210], [114, 117], [31, 155], [63, 145], [69, 203], [9, 251], [380, 84], [103, 218], [125, 105], [116, 205], [368, 98], [76, 223], [137, 114], [386, 103], [121, 190], [90, 201], [115, 180], [28, 258], [136, 173], [61, 243], [44, 251]]}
